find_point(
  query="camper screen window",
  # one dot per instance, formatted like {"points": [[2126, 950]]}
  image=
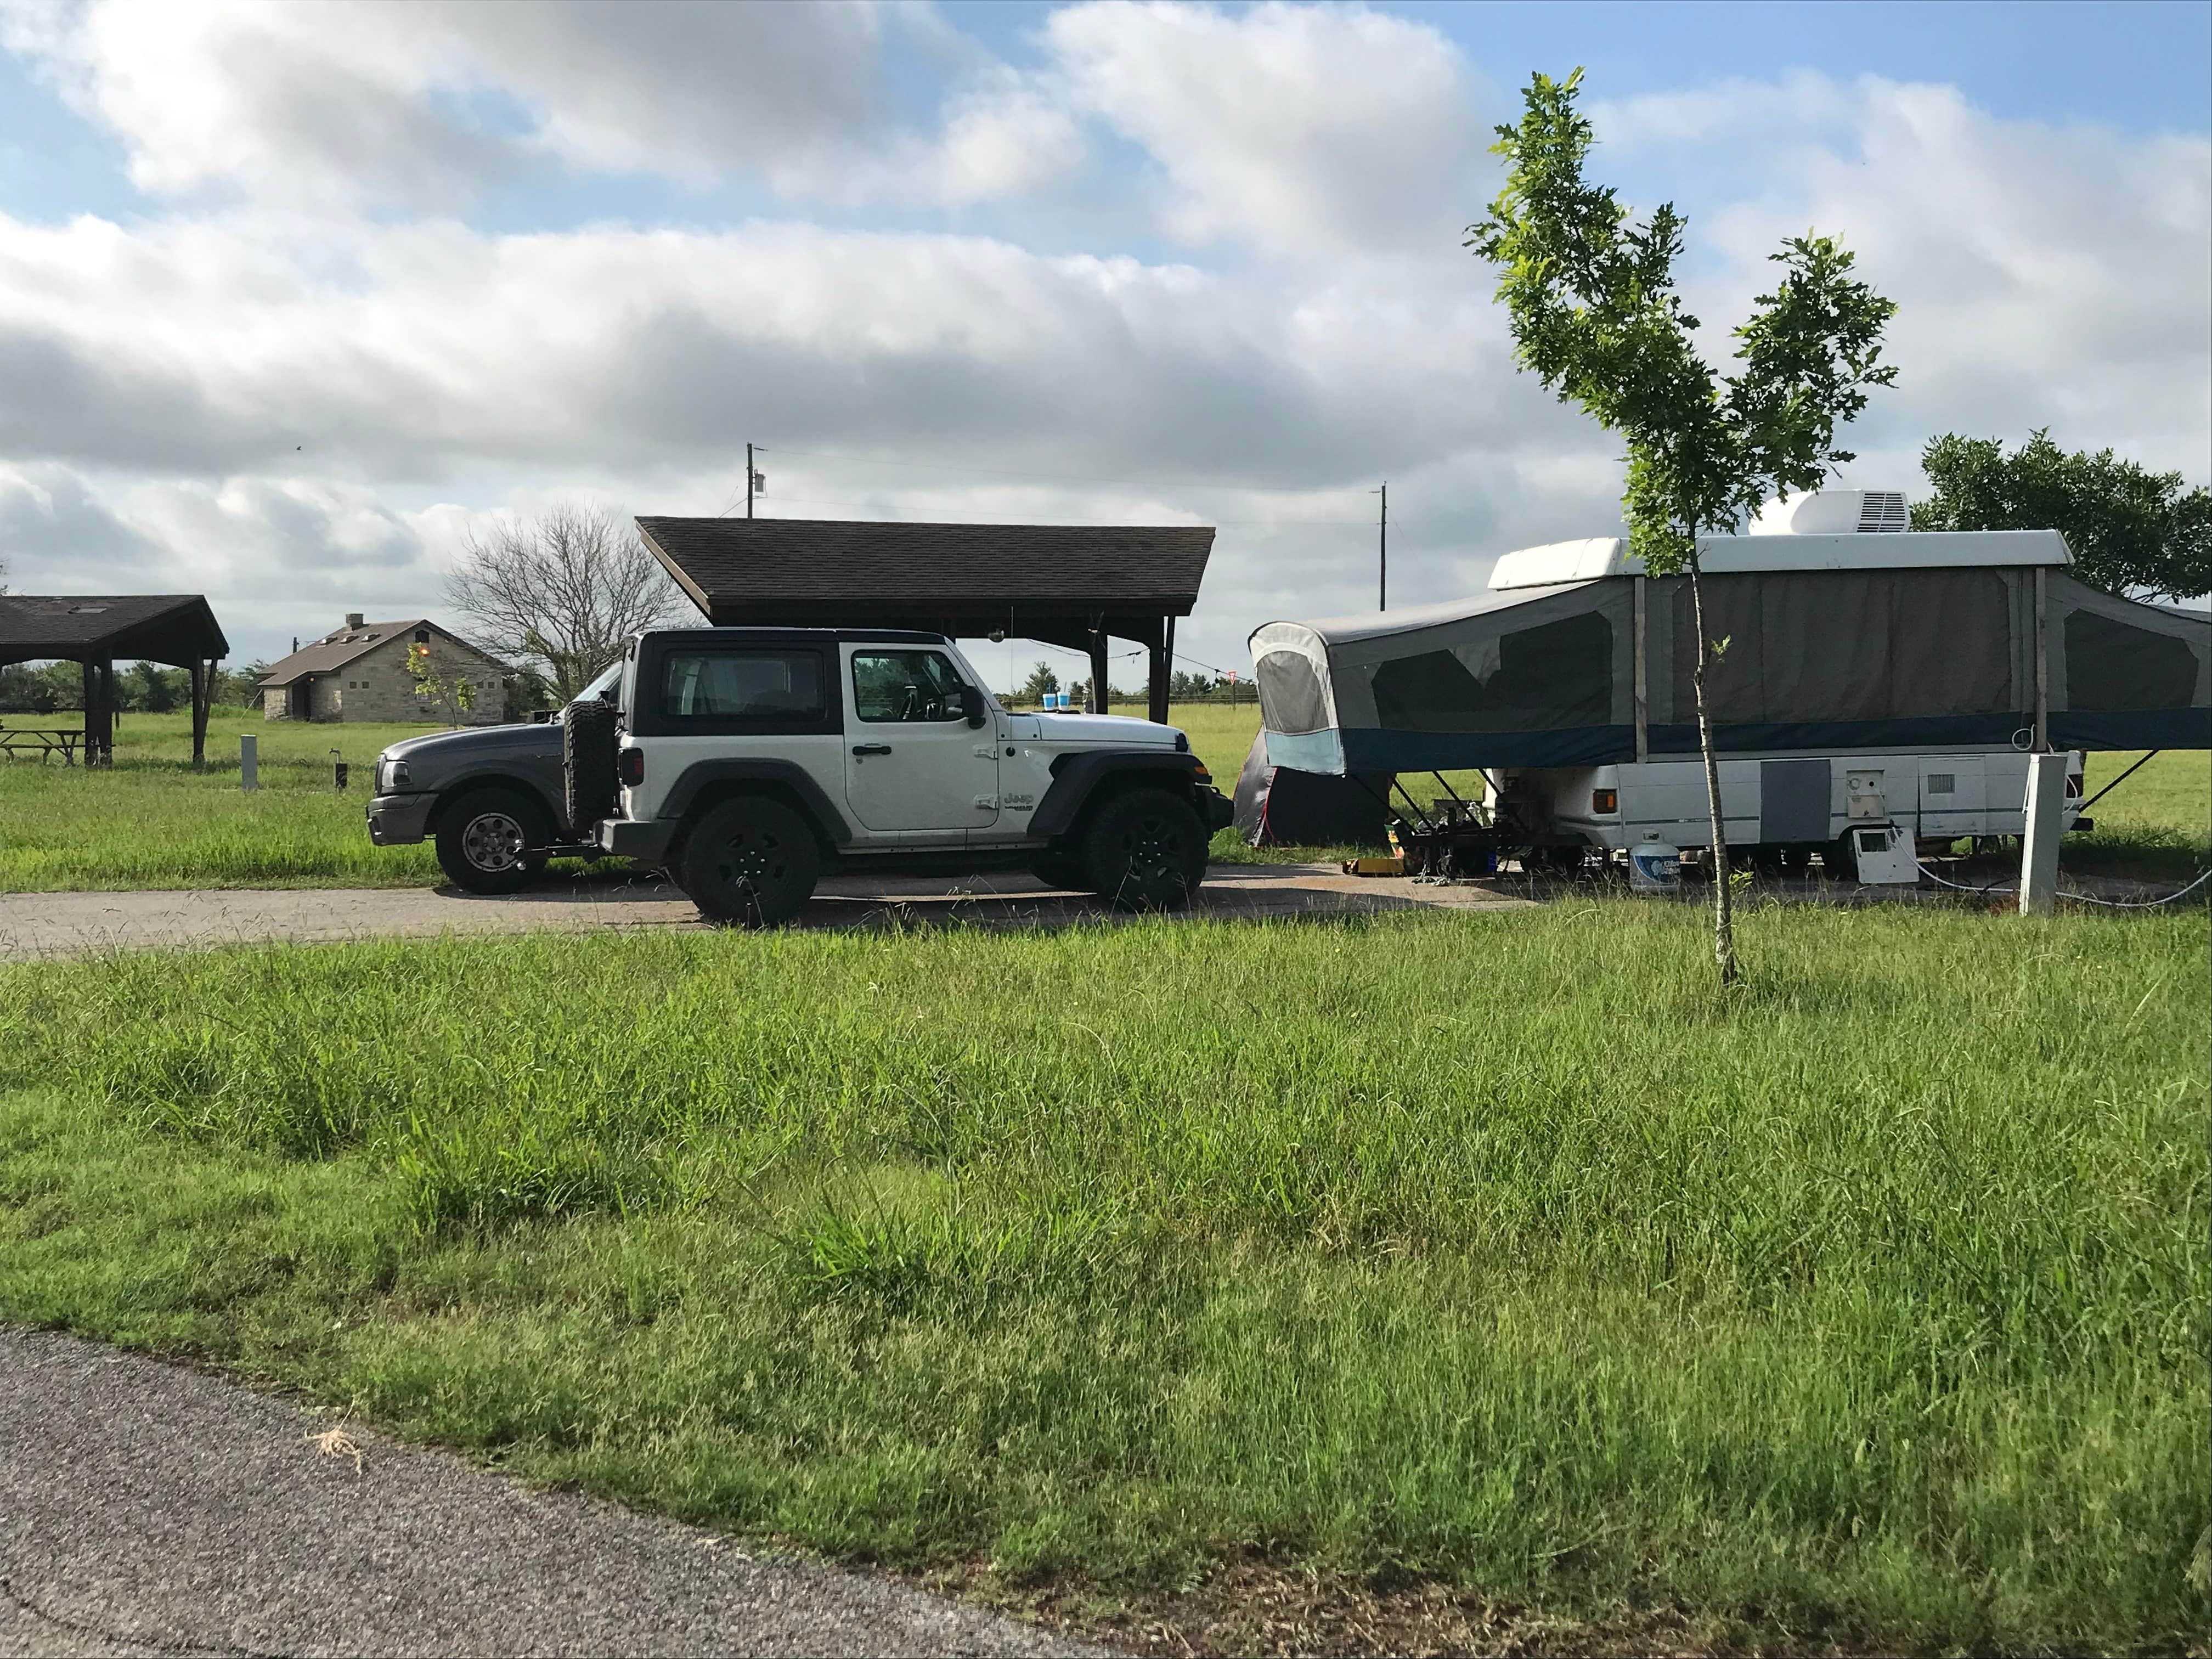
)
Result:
{"points": [[1289, 694], [1546, 678]]}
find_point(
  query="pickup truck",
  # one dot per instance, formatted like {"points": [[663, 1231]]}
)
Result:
{"points": [[491, 796], [749, 762]]}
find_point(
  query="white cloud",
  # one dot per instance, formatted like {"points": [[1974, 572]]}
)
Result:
{"points": [[360, 102], [2044, 275], [1303, 130]]}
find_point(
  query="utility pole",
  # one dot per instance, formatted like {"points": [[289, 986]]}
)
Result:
{"points": [[1383, 549], [752, 479]]}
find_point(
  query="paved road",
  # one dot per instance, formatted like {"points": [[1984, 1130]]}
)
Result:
{"points": [[147, 1509], [62, 924]]}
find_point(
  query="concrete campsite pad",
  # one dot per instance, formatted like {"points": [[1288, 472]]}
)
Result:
{"points": [[69, 924]]}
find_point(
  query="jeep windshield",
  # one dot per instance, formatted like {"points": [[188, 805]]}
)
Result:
{"points": [[603, 687]]}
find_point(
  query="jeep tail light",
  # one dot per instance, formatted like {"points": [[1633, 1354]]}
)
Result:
{"points": [[2076, 784], [633, 767], [1605, 802]]}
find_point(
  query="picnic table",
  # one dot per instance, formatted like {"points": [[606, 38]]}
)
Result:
{"points": [[42, 741]]}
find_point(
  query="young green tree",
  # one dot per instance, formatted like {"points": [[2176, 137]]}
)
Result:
{"points": [[2132, 531], [1595, 316], [452, 698], [1041, 679]]}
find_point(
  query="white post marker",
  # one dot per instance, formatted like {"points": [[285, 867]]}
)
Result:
{"points": [[2038, 848], [249, 761]]}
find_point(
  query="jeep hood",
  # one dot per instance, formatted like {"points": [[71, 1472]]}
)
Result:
{"points": [[1115, 730]]}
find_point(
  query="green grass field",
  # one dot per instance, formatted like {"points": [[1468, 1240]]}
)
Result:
{"points": [[152, 822], [1869, 1303]]}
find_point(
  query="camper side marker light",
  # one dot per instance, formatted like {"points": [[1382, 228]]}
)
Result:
{"points": [[1605, 802]]}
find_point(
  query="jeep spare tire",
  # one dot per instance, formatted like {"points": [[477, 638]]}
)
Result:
{"points": [[587, 764], [1145, 850], [493, 841], [751, 862]]}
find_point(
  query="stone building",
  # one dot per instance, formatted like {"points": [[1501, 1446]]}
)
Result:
{"points": [[360, 672]]}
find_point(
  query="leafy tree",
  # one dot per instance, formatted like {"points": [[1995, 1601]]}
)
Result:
{"points": [[1595, 316], [152, 689], [452, 698], [1041, 679], [2132, 531]]}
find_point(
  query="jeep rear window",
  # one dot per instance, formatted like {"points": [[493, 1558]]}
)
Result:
{"points": [[767, 685]]}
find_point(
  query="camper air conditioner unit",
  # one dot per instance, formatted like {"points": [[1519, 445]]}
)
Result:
{"points": [[1833, 513]]}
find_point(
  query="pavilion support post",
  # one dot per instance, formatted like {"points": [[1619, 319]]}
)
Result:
{"points": [[100, 714], [1163, 664], [202, 695], [1098, 683]]}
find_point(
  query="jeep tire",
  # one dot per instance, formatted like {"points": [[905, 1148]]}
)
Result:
{"points": [[493, 841], [1145, 850], [751, 862]]}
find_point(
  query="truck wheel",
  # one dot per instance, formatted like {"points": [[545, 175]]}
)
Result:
{"points": [[1145, 850], [750, 863], [486, 841]]}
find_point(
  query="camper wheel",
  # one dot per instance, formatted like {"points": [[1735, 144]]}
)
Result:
{"points": [[1553, 861]]}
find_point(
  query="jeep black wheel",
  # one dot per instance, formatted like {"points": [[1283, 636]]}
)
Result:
{"points": [[750, 863], [1145, 850], [489, 840]]}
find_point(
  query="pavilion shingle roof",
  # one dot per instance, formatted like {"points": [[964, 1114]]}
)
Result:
{"points": [[731, 564], [176, 628]]}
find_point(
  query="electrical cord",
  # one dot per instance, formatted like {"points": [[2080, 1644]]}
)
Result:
{"points": [[2084, 898]]}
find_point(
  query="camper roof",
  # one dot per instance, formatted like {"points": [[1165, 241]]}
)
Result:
{"points": [[1608, 555]]}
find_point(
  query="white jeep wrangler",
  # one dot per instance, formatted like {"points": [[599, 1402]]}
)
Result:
{"points": [[749, 761]]}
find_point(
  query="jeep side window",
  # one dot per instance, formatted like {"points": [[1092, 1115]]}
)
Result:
{"points": [[906, 685], [779, 685]]}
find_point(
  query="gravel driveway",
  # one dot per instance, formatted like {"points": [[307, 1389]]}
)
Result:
{"points": [[65, 924], [148, 1508]]}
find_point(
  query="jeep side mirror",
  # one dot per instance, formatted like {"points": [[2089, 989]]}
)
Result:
{"points": [[971, 704]]}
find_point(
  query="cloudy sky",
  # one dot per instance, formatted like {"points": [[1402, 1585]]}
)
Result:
{"points": [[291, 294]]}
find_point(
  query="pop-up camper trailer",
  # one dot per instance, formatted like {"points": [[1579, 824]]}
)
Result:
{"points": [[1872, 677]]}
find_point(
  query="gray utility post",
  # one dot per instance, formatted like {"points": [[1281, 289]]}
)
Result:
{"points": [[249, 761], [2046, 823], [1383, 549]]}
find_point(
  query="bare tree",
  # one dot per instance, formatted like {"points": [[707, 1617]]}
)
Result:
{"points": [[565, 588]]}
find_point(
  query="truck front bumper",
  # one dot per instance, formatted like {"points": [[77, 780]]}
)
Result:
{"points": [[1215, 810], [644, 839], [395, 820]]}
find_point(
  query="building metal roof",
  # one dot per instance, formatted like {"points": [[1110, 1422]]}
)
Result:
{"points": [[786, 570], [170, 628], [342, 646]]}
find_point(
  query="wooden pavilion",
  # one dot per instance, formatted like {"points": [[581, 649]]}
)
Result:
{"points": [[1072, 586], [96, 631]]}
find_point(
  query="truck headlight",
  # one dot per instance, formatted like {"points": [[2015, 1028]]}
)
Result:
{"points": [[391, 776]]}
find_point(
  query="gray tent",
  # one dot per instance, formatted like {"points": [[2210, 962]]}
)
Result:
{"points": [[1971, 640]]}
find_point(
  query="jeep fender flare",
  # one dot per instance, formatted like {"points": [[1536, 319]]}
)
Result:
{"points": [[711, 779], [1077, 779]]}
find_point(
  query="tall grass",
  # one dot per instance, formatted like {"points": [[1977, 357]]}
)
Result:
{"points": [[1503, 1250]]}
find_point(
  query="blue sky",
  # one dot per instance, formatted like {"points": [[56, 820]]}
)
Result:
{"points": [[292, 298]]}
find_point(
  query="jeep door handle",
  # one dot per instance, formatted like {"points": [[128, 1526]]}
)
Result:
{"points": [[860, 749]]}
